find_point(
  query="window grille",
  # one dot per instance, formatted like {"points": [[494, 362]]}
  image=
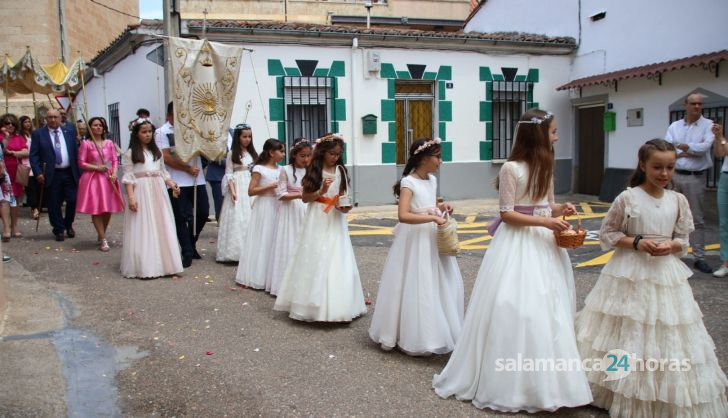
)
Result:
{"points": [[309, 107], [509, 100], [114, 127]]}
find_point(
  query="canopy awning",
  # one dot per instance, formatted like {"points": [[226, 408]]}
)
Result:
{"points": [[28, 76], [652, 71]]}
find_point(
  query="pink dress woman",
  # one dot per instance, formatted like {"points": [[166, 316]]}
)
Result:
{"points": [[15, 143], [96, 194]]}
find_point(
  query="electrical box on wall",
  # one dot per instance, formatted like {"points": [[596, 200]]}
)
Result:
{"points": [[374, 62], [610, 121], [635, 117]]}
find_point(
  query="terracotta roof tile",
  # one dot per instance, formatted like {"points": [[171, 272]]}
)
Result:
{"points": [[353, 30], [650, 71]]}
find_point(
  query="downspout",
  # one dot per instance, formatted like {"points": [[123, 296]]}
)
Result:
{"points": [[352, 100], [62, 38]]}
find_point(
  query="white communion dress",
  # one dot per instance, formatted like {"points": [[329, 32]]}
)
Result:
{"points": [[522, 306], [234, 215], [420, 300]]}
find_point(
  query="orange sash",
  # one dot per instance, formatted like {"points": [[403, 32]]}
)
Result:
{"points": [[329, 202]]}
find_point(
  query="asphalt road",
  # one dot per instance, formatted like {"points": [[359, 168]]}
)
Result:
{"points": [[196, 345]]}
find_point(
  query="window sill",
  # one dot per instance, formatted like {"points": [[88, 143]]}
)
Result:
{"points": [[498, 161]]}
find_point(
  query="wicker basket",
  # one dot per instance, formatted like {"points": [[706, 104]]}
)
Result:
{"points": [[447, 238], [575, 239]]}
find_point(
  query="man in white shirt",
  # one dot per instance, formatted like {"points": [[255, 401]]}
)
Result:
{"points": [[693, 138], [186, 176]]}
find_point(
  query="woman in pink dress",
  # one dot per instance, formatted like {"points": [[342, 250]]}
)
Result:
{"points": [[16, 148], [99, 190]]}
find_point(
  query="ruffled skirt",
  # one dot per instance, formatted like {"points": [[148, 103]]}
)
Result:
{"points": [[644, 306], [256, 255]]}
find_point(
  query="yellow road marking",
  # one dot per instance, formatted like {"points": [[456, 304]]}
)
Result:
{"points": [[586, 209], [470, 218]]}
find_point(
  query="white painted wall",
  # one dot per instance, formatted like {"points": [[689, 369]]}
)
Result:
{"points": [[635, 33], [623, 143], [134, 82], [551, 17]]}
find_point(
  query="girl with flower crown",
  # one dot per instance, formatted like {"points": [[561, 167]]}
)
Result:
{"points": [[257, 255], [420, 301], [150, 238], [523, 302], [235, 211], [321, 282], [291, 212]]}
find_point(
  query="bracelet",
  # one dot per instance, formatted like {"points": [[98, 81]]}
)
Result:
{"points": [[636, 241]]}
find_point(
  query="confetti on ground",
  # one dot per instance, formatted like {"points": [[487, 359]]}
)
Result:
{"points": [[95, 263], [48, 248], [207, 320], [181, 357], [245, 303], [216, 309], [256, 350], [331, 356], [209, 353], [233, 289]]}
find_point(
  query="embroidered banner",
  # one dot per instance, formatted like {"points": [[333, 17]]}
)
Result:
{"points": [[205, 81]]}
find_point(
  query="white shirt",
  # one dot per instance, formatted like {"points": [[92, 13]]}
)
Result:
{"points": [[182, 178], [64, 148], [699, 138]]}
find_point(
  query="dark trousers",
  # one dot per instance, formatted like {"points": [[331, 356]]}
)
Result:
{"points": [[31, 192], [183, 209], [62, 188], [216, 197]]}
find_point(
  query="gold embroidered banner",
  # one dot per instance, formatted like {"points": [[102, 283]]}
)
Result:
{"points": [[205, 81]]}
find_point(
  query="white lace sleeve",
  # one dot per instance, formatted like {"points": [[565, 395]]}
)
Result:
{"points": [[163, 168], [684, 225], [282, 188], [551, 198], [507, 184], [614, 224], [229, 164], [128, 168]]}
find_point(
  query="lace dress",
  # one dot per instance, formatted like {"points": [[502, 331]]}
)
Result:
{"points": [[522, 307], [644, 306], [420, 300], [234, 215]]}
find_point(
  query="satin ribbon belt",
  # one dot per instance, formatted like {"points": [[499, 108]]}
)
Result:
{"points": [[329, 202], [524, 209], [148, 174]]}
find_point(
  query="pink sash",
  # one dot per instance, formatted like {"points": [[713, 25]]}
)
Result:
{"points": [[524, 209]]}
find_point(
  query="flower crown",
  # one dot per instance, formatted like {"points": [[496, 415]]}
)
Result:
{"points": [[330, 137], [139, 121], [537, 120], [427, 145], [300, 144]]}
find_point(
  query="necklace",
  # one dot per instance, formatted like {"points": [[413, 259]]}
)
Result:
{"points": [[418, 175]]}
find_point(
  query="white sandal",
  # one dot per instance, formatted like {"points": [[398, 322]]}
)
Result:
{"points": [[104, 246]]}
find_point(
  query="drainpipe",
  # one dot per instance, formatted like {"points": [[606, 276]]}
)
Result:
{"points": [[352, 100], [62, 38]]}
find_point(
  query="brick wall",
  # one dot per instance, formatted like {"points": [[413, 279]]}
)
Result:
{"points": [[89, 27]]}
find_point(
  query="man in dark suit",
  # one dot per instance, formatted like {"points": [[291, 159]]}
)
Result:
{"points": [[55, 147]]}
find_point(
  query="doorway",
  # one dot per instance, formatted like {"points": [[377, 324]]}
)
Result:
{"points": [[413, 108], [590, 131]]}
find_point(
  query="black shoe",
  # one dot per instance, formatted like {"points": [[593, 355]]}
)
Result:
{"points": [[702, 266], [59, 237], [6, 259], [196, 255], [71, 233], [186, 262]]}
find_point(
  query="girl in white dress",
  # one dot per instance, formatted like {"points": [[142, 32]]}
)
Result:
{"points": [[150, 247], [235, 212], [420, 301], [523, 301], [290, 213], [643, 305], [257, 250], [321, 282]]}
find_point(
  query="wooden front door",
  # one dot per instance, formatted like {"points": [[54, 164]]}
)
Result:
{"points": [[590, 131]]}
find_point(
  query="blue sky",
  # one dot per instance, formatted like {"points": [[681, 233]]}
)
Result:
{"points": [[150, 9]]}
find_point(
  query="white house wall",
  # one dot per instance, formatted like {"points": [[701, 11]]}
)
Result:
{"points": [[462, 111], [550, 18], [655, 100], [134, 82], [635, 33]]}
